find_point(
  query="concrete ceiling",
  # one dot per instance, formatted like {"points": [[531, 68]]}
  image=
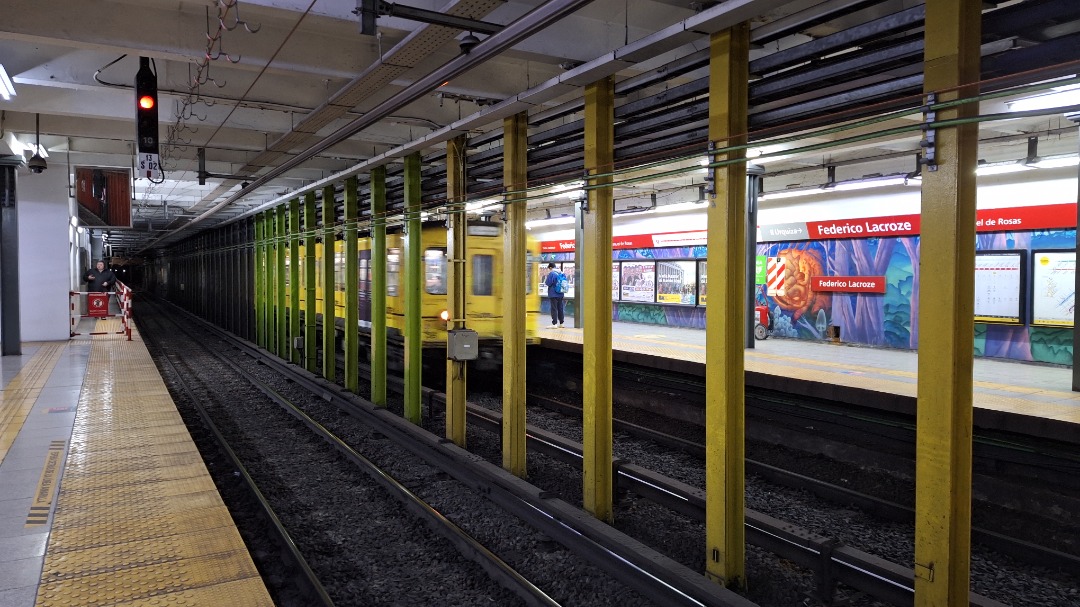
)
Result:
{"points": [[274, 77]]}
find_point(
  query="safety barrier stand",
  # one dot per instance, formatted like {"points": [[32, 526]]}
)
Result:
{"points": [[124, 297], [97, 305]]}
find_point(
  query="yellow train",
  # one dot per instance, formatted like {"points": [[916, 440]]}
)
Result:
{"points": [[484, 276]]}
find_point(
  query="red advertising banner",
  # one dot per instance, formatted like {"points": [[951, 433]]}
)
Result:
{"points": [[848, 284], [1042, 217]]}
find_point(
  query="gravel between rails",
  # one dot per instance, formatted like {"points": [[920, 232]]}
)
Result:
{"points": [[363, 548]]}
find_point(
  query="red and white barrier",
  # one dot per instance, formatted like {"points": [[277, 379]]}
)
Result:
{"points": [[123, 294], [98, 307]]}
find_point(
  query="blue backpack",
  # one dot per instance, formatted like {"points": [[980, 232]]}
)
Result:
{"points": [[563, 285], [557, 281]]}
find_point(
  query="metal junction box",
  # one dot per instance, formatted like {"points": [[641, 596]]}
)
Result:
{"points": [[462, 344]]}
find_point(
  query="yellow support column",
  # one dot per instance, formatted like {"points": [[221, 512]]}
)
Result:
{"points": [[946, 312], [725, 536], [515, 132], [596, 310], [260, 280], [352, 303], [282, 347], [412, 286], [294, 279], [271, 281], [378, 286], [329, 313], [311, 330], [455, 295]]}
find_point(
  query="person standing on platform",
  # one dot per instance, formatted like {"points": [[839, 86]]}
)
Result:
{"points": [[556, 283], [99, 279]]}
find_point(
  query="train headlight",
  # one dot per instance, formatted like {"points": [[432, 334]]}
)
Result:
{"points": [[445, 315]]}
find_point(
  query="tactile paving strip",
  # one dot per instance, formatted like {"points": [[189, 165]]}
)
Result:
{"points": [[138, 520]]}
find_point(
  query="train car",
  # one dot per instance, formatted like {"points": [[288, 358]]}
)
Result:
{"points": [[484, 275]]}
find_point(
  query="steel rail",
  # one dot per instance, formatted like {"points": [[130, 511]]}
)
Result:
{"points": [[646, 571], [463, 542], [828, 558]]}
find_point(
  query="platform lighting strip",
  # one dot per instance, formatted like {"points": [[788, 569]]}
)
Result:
{"points": [[998, 168], [7, 89]]}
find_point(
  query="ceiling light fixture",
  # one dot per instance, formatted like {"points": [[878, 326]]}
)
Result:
{"points": [[845, 186], [554, 221], [1062, 96], [1056, 162], [1001, 168], [7, 88]]}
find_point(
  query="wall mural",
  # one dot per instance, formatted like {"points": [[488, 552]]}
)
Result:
{"points": [[873, 319], [891, 320]]}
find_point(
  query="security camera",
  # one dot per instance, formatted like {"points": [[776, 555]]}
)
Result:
{"points": [[468, 43], [36, 164]]}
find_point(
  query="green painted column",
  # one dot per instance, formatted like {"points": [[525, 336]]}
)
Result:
{"points": [[725, 535], [271, 281], [455, 292], [282, 346], [311, 332], [515, 164], [598, 497], [378, 286], [414, 267], [294, 279], [352, 305], [259, 274], [943, 441], [329, 342]]}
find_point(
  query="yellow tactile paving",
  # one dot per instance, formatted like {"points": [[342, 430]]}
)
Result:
{"points": [[17, 398], [1050, 404], [138, 520]]}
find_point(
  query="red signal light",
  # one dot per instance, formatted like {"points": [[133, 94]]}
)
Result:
{"points": [[146, 102]]}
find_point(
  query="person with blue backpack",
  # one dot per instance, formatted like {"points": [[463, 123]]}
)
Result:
{"points": [[557, 286]]}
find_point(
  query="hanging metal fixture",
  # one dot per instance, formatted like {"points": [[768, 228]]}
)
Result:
{"points": [[37, 164]]}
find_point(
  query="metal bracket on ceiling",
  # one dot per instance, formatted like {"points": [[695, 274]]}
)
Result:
{"points": [[929, 141], [368, 10]]}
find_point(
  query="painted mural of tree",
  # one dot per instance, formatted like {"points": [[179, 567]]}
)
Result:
{"points": [[860, 314], [913, 246]]}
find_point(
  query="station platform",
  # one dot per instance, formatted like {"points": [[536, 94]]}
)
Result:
{"points": [[106, 500], [1015, 396]]}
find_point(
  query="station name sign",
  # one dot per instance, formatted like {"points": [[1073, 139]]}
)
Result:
{"points": [[848, 284], [1041, 217]]}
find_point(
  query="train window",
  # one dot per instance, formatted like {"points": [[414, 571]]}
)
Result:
{"points": [[320, 254], [288, 263], [483, 274], [363, 268], [530, 263], [339, 271], [435, 271], [393, 271]]}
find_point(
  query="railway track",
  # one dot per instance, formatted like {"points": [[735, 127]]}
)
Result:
{"points": [[647, 578]]}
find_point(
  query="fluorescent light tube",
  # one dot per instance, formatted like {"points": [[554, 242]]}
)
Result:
{"points": [[7, 88]]}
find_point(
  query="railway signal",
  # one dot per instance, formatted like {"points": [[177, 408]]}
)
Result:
{"points": [[147, 154]]}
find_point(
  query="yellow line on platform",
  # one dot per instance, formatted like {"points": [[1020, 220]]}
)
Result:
{"points": [[19, 396]]}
